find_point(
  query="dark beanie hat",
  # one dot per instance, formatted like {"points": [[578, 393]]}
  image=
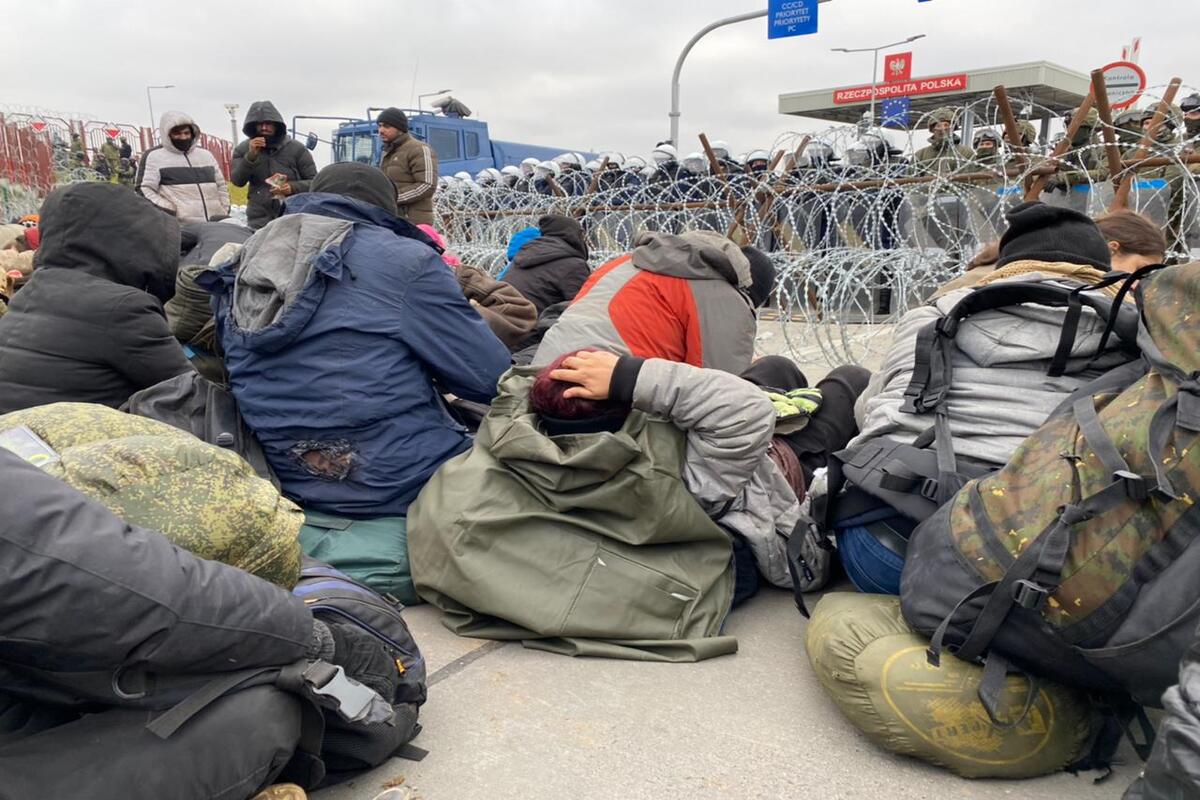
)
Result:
{"points": [[1039, 232], [762, 275], [358, 181], [394, 117]]}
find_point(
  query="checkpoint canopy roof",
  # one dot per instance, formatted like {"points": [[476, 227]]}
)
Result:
{"points": [[1039, 82]]}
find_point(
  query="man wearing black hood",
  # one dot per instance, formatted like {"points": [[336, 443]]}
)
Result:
{"points": [[89, 326], [552, 268], [266, 153]]}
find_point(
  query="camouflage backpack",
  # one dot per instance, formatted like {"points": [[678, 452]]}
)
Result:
{"points": [[1078, 560]]}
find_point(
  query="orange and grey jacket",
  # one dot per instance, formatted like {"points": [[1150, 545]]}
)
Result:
{"points": [[677, 297]]}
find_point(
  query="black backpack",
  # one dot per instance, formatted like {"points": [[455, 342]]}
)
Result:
{"points": [[349, 748], [332, 595]]}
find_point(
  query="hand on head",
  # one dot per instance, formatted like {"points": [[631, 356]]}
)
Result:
{"points": [[591, 371]]}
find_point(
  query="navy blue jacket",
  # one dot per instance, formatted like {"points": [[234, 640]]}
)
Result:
{"points": [[341, 382]]}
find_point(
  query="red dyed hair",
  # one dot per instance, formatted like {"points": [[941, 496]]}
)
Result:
{"points": [[546, 396]]}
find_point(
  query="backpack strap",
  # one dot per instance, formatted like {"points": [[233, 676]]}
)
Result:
{"points": [[932, 370], [991, 691], [798, 566], [1131, 280]]}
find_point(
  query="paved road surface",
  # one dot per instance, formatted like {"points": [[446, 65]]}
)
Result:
{"points": [[505, 722]]}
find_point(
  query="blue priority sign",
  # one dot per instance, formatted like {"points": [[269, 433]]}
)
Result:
{"points": [[791, 18]]}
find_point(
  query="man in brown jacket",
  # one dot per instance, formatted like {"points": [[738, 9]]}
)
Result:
{"points": [[411, 165]]}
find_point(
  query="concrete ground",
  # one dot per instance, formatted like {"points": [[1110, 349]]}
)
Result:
{"points": [[506, 722]]}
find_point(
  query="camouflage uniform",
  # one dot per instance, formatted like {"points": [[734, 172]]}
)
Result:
{"points": [[1177, 176], [1128, 126], [943, 155], [1085, 162], [111, 154], [79, 154], [126, 172], [988, 157], [1191, 127]]}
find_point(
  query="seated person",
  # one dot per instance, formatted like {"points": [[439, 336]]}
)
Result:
{"points": [[506, 311], [942, 410], [342, 328], [690, 297], [1001, 391], [1133, 240], [552, 267], [106, 626], [89, 327], [604, 508], [190, 310]]}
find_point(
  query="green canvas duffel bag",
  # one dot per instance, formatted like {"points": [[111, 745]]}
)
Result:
{"points": [[372, 551], [875, 670]]}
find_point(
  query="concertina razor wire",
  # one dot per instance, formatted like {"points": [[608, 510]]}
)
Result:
{"points": [[858, 232]]}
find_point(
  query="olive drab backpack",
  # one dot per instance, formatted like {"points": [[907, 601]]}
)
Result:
{"points": [[1077, 561]]}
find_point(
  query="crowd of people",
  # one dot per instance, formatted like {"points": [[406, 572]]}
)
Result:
{"points": [[592, 461], [687, 176]]}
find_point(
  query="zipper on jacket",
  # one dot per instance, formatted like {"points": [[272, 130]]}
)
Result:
{"points": [[199, 189]]}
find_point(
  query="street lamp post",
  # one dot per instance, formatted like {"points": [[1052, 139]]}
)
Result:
{"points": [[232, 108], [421, 97], [875, 66], [153, 122], [687, 48]]}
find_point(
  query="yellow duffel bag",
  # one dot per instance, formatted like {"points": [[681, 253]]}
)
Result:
{"points": [[202, 497], [874, 668]]}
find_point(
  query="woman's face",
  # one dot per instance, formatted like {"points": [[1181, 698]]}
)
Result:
{"points": [[1125, 261]]}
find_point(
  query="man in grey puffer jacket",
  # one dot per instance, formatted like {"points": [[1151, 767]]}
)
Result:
{"points": [[181, 177]]}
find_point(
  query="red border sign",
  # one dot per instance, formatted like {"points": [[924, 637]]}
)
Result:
{"points": [[862, 94], [1121, 105], [897, 67]]}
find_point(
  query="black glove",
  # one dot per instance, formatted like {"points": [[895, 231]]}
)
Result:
{"points": [[359, 653]]}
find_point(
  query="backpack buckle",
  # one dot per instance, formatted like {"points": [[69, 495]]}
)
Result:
{"points": [[1134, 485], [929, 489], [923, 402], [353, 701], [1029, 595]]}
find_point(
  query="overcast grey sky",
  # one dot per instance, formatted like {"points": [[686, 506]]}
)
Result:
{"points": [[585, 74]]}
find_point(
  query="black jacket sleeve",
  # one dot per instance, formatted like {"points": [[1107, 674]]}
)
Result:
{"points": [[306, 168], [1173, 770], [82, 590], [242, 169], [145, 352]]}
